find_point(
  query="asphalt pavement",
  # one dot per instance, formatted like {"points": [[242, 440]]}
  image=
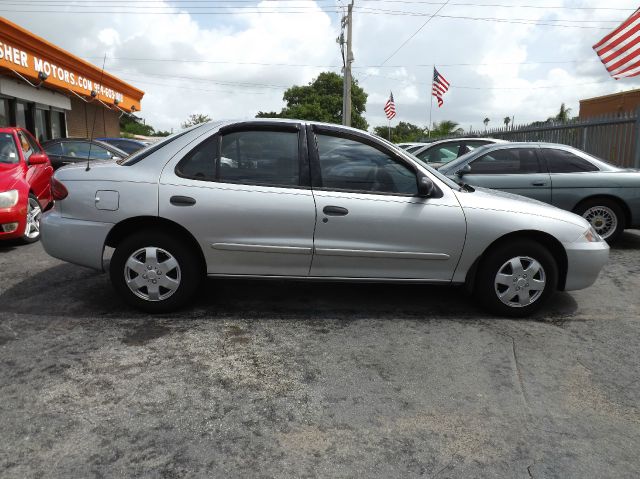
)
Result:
{"points": [[281, 379]]}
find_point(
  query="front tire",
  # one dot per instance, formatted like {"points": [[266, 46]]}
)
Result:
{"points": [[34, 213], [606, 217], [517, 278], [155, 272]]}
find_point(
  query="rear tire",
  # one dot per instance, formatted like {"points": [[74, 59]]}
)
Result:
{"points": [[155, 272], [606, 217], [515, 279]]}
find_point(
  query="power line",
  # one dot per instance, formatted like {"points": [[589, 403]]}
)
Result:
{"points": [[306, 65], [284, 87], [519, 21], [463, 87], [409, 2], [414, 34], [208, 80]]}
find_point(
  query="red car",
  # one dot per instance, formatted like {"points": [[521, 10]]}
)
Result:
{"points": [[25, 185]]}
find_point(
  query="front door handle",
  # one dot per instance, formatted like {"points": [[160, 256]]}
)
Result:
{"points": [[538, 183], [182, 201], [335, 211]]}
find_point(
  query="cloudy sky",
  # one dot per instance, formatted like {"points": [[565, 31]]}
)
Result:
{"points": [[231, 59]]}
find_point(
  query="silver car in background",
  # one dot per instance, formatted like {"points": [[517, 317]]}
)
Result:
{"points": [[303, 200], [605, 195]]}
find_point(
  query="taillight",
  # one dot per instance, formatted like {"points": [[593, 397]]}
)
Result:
{"points": [[58, 190]]}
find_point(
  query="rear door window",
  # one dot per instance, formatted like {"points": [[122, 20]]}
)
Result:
{"points": [[260, 157], [562, 161], [508, 161]]}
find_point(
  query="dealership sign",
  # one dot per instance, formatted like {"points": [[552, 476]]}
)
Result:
{"points": [[42, 63]]}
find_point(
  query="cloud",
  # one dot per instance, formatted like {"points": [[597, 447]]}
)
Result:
{"points": [[217, 85]]}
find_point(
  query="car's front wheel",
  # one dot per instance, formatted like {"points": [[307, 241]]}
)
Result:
{"points": [[155, 272], [517, 278], [606, 217], [32, 228]]}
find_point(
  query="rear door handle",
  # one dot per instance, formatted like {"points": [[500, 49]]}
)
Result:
{"points": [[182, 201], [538, 183], [335, 211]]}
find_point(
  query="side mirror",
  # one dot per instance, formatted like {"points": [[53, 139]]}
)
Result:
{"points": [[38, 159], [463, 171], [425, 186]]}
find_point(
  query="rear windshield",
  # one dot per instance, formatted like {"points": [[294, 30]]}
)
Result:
{"points": [[8, 150], [142, 154]]}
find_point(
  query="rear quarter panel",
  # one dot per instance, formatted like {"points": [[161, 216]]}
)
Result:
{"points": [[569, 189]]}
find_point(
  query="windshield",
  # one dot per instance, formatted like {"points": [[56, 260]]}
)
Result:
{"points": [[448, 181], [8, 150], [453, 166]]}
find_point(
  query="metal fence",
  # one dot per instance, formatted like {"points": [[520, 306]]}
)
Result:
{"points": [[613, 138]]}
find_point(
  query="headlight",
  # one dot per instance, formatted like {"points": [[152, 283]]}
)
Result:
{"points": [[591, 235], [8, 198]]}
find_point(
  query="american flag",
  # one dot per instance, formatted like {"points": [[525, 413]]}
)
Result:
{"points": [[390, 107], [439, 87], [620, 49]]}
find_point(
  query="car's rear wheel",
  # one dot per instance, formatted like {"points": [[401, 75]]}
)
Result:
{"points": [[606, 217], [517, 278], [155, 272], [32, 228]]}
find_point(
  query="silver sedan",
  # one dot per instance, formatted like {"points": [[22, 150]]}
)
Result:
{"points": [[294, 199]]}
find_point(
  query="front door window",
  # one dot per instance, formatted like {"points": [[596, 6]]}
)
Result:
{"points": [[350, 165]]}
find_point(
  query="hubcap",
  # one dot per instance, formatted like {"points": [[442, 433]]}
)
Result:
{"points": [[520, 281], [603, 220], [152, 274], [32, 230]]}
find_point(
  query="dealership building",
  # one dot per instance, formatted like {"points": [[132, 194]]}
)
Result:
{"points": [[53, 93]]}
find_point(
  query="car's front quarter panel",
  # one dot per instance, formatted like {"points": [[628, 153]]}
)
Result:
{"points": [[488, 221]]}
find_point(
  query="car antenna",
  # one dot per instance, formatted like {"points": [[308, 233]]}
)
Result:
{"points": [[95, 113]]}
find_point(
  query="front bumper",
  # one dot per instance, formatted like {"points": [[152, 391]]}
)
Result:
{"points": [[15, 214], [76, 241], [584, 263]]}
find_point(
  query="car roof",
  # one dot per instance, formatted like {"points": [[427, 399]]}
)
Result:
{"points": [[10, 129], [114, 138]]}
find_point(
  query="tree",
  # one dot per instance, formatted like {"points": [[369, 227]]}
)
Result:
{"points": [[131, 125], [402, 132], [486, 122], [445, 128], [321, 100], [563, 114], [507, 120], [196, 119]]}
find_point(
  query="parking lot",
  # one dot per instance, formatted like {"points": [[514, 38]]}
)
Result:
{"points": [[274, 379]]}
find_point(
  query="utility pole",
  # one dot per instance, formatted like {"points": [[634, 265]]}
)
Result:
{"points": [[346, 98]]}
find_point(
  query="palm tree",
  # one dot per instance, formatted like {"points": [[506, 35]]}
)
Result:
{"points": [[446, 128], [506, 120], [563, 114], [486, 122]]}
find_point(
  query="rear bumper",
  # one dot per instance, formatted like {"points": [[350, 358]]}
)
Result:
{"points": [[76, 241], [585, 261]]}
